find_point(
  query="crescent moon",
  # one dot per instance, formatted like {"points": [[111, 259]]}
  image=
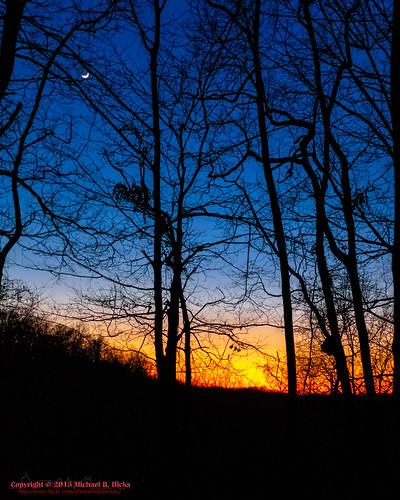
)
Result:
{"points": [[86, 75]]}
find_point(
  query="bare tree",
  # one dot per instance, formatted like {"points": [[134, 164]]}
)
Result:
{"points": [[26, 102], [246, 20], [336, 153], [154, 140], [258, 123], [395, 115]]}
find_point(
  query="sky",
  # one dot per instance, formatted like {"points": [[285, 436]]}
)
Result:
{"points": [[90, 134]]}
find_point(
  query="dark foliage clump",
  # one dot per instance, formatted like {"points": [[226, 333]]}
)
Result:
{"points": [[138, 195]]}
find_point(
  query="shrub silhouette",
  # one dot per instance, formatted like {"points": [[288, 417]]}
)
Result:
{"points": [[30, 345]]}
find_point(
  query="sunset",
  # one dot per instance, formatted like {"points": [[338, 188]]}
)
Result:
{"points": [[200, 248]]}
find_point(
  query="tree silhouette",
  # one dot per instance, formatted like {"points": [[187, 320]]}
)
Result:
{"points": [[260, 122], [395, 114], [246, 20], [25, 102]]}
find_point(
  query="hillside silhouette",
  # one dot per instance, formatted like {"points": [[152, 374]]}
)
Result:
{"points": [[69, 414]]}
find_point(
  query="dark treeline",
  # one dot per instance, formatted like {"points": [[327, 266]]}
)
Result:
{"points": [[73, 411], [210, 167], [32, 342], [70, 405]]}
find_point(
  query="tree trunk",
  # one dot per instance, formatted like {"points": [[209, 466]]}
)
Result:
{"points": [[158, 220], [173, 326], [275, 208], [326, 281], [350, 261], [331, 145], [395, 115], [338, 352], [11, 25], [186, 326]]}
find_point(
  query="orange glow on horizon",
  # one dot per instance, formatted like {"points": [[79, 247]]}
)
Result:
{"points": [[228, 368]]}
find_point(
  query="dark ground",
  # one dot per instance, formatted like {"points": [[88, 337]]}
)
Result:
{"points": [[72, 420]]}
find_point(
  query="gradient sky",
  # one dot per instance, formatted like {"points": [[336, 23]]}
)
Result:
{"points": [[97, 150]]}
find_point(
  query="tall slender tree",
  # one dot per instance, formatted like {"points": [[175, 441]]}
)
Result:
{"points": [[395, 115], [246, 18], [24, 97]]}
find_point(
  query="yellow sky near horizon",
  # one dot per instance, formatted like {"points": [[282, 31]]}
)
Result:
{"points": [[244, 367], [222, 365]]}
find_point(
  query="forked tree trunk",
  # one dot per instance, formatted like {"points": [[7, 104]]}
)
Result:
{"points": [[331, 145], [334, 341], [326, 281]]}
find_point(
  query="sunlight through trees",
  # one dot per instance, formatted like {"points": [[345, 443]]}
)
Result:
{"points": [[198, 170]]}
